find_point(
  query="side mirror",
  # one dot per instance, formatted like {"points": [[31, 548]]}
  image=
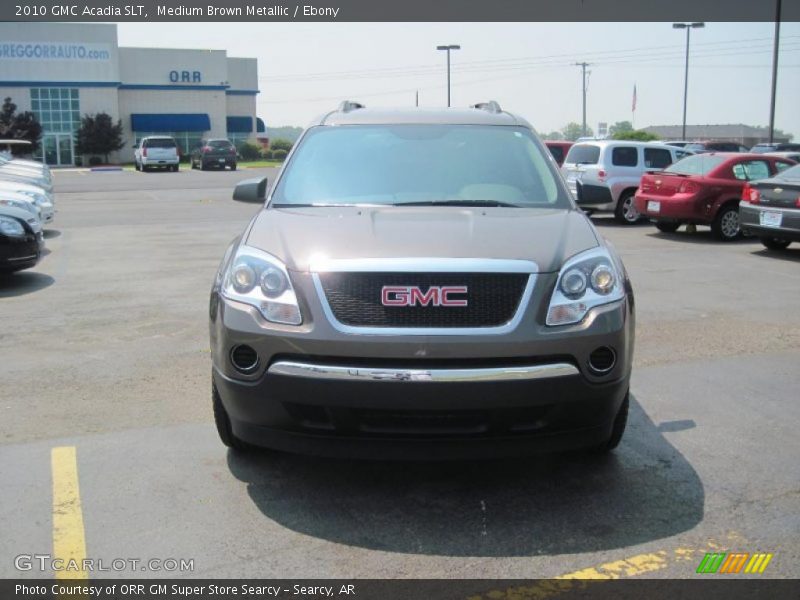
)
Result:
{"points": [[251, 190]]}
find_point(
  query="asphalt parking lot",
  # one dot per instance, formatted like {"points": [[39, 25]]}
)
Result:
{"points": [[105, 349]]}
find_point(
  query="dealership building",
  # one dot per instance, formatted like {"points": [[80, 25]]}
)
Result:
{"points": [[64, 71]]}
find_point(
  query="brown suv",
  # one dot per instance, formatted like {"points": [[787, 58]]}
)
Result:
{"points": [[420, 284]]}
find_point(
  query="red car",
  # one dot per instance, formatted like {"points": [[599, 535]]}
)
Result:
{"points": [[558, 149], [703, 189]]}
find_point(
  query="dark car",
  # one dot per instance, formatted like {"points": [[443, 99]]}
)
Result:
{"points": [[700, 147], [559, 149], [471, 309], [219, 153], [770, 209], [778, 147], [703, 189], [21, 240]]}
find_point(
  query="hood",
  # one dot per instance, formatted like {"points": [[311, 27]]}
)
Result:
{"points": [[545, 236], [21, 186], [23, 215]]}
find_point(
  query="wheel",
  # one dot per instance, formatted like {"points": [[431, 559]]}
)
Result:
{"points": [[203, 166], [192, 164], [176, 168], [667, 226], [726, 223], [233, 167], [145, 168], [136, 166], [223, 422], [626, 212], [620, 421], [775, 243]]}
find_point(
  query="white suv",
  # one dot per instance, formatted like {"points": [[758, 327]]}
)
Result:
{"points": [[156, 151], [603, 175]]}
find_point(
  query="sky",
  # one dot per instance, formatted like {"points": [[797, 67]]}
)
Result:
{"points": [[308, 68]]}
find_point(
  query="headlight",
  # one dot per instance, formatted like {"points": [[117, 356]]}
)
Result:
{"points": [[261, 280], [586, 280], [37, 198], [26, 206], [10, 226]]}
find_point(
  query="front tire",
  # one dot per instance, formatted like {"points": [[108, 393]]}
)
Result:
{"points": [[774, 243], [233, 167], [726, 223], [667, 226], [626, 212], [223, 422]]}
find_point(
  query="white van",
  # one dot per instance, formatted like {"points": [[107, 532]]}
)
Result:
{"points": [[157, 151], [603, 175]]}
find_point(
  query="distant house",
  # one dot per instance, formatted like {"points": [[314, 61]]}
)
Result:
{"points": [[746, 135]]}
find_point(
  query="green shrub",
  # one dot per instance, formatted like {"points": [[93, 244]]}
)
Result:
{"points": [[267, 154], [280, 144], [249, 151], [279, 154], [95, 161]]}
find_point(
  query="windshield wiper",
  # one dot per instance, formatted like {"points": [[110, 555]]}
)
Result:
{"points": [[458, 203]]}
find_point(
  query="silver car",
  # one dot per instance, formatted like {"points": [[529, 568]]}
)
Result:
{"points": [[421, 284]]}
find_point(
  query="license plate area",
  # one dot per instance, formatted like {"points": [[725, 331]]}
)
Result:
{"points": [[653, 206], [769, 218]]}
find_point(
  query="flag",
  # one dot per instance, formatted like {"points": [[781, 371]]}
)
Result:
{"points": [[633, 104]]}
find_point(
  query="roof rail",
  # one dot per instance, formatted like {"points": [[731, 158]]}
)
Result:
{"points": [[490, 106], [349, 105]]}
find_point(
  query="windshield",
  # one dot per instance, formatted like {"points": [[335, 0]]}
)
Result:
{"points": [[583, 154], [698, 164], [219, 144], [403, 164], [160, 143]]}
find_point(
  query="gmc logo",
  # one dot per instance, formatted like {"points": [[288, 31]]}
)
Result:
{"points": [[411, 295]]}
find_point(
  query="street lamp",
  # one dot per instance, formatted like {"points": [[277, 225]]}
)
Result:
{"points": [[448, 48], [688, 27]]}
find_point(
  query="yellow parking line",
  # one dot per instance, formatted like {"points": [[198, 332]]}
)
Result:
{"points": [[69, 543], [577, 580]]}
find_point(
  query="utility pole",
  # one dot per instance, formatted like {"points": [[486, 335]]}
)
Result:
{"points": [[774, 70], [448, 48], [688, 27], [583, 66]]}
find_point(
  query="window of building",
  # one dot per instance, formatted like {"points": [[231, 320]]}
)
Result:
{"points": [[58, 112]]}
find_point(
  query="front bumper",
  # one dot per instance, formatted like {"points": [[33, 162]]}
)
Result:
{"points": [[20, 252], [750, 222], [317, 390]]}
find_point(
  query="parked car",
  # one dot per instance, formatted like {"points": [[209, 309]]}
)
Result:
{"points": [[700, 147], [6, 157], [604, 175], [42, 199], [159, 151], [21, 239], [776, 147], [17, 200], [791, 155], [770, 209], [469, 310], [559, 149], [704, 189], [676, 143], [218, 153]]}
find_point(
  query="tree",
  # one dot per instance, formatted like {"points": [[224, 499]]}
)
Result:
{"points": [[553, 135], [638, 135], [620, 127], [99, 134], [19, 126], [572, 131]]}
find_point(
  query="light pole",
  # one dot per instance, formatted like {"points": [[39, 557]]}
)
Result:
{"points": [[776, 45], [448, 48], [688, 27]]}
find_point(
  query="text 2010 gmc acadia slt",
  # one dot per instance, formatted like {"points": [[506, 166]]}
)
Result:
{"points": [[420, 284]]}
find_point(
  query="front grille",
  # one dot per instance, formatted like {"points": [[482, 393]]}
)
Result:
{"points": [[355, 299]]}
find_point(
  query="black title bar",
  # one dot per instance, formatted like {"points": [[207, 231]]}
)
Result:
{"points": [[397, 10]]}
